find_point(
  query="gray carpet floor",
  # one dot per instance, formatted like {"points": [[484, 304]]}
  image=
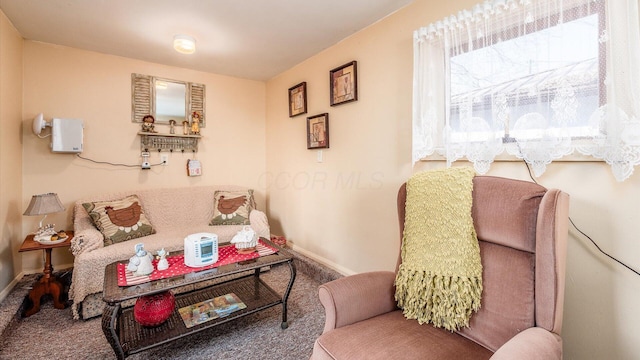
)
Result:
{"points": [[53, 334]]}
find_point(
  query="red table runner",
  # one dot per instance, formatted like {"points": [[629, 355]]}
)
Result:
{"points": [[226, 255]]}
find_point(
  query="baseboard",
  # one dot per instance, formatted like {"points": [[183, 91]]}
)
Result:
{"points": [[341, 269], [5, 292], [57, 268]]}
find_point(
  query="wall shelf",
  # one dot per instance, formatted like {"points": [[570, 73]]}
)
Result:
{"points": [[168, 142]]}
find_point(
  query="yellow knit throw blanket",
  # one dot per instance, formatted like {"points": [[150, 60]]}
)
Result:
{"points": [[440, 278]]}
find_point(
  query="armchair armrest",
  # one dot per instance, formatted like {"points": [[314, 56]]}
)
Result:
{"points": [[531, 344], [358, 297], [86, 237]]}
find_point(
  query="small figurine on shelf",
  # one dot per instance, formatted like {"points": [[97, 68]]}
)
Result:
{"points": [[163, 264], [195, 123], [172, 126], [140, 264], [148, 124], [185, 127]]}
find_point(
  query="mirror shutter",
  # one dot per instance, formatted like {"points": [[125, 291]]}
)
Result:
{"points": [[141, 98], [197, 101]]}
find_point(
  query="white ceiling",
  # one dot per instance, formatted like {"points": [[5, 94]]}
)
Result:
{"points": [[253, 39]]}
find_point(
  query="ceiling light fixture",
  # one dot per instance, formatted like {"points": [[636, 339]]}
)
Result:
{"points": [[184, 44]]}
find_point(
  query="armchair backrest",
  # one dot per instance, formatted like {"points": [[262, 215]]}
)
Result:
{"points": [[522, 230]]}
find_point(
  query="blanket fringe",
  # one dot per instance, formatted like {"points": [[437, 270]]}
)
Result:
{"points": [[445, 301]]}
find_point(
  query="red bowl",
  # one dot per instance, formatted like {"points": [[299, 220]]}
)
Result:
{"points": [[153, 310]]}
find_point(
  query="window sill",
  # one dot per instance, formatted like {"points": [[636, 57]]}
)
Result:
{"points": [[511, 158]]}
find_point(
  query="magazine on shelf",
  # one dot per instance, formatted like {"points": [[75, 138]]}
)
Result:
{"points": [[211, 309]]}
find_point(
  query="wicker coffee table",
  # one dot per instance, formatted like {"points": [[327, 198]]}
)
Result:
{"points": [[127, 337]]}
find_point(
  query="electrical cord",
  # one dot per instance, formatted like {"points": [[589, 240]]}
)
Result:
{"points": [[114, 164], [585, 235]]}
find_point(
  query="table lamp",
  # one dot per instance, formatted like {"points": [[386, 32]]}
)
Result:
{"points": [[44, 204]]}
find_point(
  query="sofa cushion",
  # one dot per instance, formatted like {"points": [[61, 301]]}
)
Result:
{"points": [[119, 220], [232, 207], [391, 336]]}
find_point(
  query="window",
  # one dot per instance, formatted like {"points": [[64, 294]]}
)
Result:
{"points": [[523, 79], [537, 79]]}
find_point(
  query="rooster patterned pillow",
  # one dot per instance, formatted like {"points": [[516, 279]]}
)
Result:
{"points": [[119, 220], [232, 207]]}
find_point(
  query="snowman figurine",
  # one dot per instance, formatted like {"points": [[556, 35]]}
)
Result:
{"points": [[140, 264]]}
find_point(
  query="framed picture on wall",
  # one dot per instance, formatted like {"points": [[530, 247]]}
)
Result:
{"points": [[318, 131], [298, 99], [343, 84]]}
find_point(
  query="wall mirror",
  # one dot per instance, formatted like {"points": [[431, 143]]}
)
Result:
{"points": [[166, 99]]}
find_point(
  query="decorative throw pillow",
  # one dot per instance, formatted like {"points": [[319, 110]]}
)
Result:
{"points": [[119, 220], [232, 207]]}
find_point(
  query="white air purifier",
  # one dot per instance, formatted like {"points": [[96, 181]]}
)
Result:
{"points": [[66, 135]]}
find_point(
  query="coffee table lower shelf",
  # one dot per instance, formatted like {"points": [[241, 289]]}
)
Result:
{"points": [[128, 337]]}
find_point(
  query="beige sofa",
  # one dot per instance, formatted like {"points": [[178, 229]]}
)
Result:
{"points": [[174, 214]]}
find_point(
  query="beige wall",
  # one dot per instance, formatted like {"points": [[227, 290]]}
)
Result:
{"points": [[69, 83], [342, 211], [10, 154]]}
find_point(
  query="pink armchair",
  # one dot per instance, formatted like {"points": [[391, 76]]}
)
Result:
{"points": [[522, 229]]}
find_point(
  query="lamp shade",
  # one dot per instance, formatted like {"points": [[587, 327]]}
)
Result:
{"points": [[44, 204], [184, 44]]}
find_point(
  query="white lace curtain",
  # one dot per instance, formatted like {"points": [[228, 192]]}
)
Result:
{"points": [[538, 79]]}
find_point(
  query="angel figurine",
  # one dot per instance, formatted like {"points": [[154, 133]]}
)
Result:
{"points": [[163, 264]]}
